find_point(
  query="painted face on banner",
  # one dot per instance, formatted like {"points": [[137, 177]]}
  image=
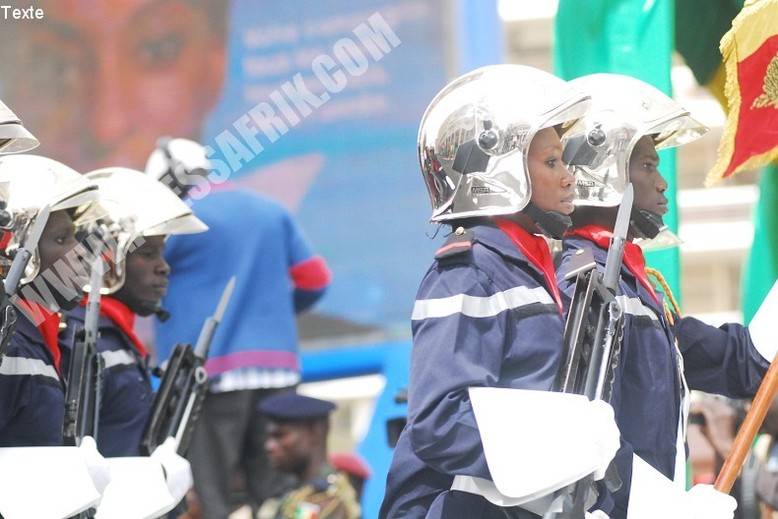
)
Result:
{"points": [[101, 80]]}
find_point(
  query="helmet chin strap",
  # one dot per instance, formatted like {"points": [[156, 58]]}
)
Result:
{"points": [[157, 310], [645, 224], [145, 308], [162, 314], [552, 224]]}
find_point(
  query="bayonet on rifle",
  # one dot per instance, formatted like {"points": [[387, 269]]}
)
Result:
{"points": [[24, 253], [14, 277], [84, 385], [607, 346], [610, 278], [209, 327], [177, 404]]}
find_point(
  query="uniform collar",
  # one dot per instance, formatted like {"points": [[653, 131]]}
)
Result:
{"points": [[119, 314], [486, 232], [633, 258], [46, 323], [535, 249]]}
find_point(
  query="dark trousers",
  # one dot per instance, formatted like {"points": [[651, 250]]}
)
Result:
{"points": [[228, 447]]}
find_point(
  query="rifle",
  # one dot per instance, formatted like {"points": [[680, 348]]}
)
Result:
{"points": [[177, 404], [592, 341], [85, 375], [14, 277], [24, 253]]}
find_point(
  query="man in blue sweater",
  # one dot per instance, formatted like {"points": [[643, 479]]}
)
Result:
{"points": [[255, 349]]}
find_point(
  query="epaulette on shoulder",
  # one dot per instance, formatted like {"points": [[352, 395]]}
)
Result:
{"points": [[320, 484], [459, 242]]}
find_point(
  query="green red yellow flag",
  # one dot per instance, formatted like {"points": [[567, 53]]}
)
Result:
{"points": [[750, 53]]}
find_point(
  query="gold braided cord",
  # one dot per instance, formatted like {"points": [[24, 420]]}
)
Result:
{"points": [[668, 293]]}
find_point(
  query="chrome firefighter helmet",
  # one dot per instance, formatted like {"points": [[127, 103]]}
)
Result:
{"points": [[475, 134], [181, 164], [137, 206], [28, 183], [623, 110], [14, 137]]}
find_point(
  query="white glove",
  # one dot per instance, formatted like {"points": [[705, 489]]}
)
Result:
{"points": [[606, 435], [178, 473], [99, 469], [705, 502], [597, 514]]}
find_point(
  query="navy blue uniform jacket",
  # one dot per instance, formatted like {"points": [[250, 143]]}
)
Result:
{"points": [[647, 391], [482, 317], [127, 395], [32, 395]]}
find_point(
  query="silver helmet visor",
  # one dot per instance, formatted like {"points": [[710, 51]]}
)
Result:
{"points": [[14, 138], [474, 137], [598, 158], [623, 110]]}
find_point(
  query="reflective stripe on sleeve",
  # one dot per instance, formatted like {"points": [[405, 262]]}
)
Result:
{"points": [[635, 307], [117, 358], [30, 367], [477, 306]]}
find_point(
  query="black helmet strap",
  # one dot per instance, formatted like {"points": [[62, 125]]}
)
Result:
{"points": [[552, 224]]}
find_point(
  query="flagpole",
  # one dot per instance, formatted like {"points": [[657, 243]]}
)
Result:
{"points": [[748, 431]]}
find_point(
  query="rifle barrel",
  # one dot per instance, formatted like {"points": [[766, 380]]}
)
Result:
{"points": [[24, 253], [16, 271]]}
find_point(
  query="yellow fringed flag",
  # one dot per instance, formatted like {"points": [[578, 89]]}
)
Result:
{"points": [[750, 52]]}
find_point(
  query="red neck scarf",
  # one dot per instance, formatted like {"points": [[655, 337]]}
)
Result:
{"points": [[47, 323], [536, 250], [122, 317], [633, 255]]}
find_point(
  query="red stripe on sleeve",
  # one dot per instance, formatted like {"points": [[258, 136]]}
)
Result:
{"points": [[311, 274]]}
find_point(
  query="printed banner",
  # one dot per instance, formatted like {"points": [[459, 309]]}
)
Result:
{"points": [[314, 103]]}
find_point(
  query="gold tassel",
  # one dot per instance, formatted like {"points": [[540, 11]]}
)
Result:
{"points": [[668, 294]]}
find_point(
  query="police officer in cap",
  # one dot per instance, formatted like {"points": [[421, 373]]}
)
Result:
{"points": [[297, 443]]}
